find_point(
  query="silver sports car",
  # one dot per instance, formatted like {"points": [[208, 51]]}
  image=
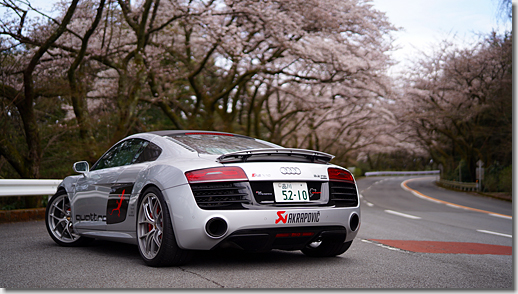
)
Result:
{"points": [[173, 192]]}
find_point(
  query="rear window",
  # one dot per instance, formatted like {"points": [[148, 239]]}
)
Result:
{"points": [[218, 144]]}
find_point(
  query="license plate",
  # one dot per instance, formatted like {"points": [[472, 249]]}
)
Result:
{"points": [[290, 192]]}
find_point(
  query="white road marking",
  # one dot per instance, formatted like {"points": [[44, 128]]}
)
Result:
{"points": [[402, 214], [421, 195], [366, 202], [456, 206], [501, 216], [495, 233], [382, 245]]}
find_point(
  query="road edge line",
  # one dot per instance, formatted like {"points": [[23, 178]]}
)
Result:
{"points": [[421, 195]]}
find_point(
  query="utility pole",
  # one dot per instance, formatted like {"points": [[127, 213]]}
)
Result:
{"points": [[480, 174], [460, 171]]}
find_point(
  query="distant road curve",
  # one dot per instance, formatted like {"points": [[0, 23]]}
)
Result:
{"points": [[421, 195]]}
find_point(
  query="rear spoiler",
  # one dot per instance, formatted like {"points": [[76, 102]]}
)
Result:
{"points": [[276, 154]]}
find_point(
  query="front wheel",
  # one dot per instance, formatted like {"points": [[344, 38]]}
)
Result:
{"points": [[325, 248], [156, 241], [58, 220]]}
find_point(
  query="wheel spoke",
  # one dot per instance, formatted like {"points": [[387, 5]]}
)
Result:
{"points": [[55, 217], [63, 210], [60, 221], [149, 244], [145, 222], [159, 227], [157, 237], [67, 231], [57, 207], [154, 211], [146, 235], [148, 213]]}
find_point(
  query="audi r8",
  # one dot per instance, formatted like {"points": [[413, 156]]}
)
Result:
{"points": [[174, 192]]}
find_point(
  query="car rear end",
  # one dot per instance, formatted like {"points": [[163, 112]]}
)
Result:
{"points": [[266, 198]]}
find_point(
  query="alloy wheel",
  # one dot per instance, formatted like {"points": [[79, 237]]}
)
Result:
{"points": [[150, 226], [59, 219]]}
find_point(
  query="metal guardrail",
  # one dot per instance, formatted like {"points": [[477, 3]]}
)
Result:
{"points": [[402, 173], [23, 187], [450, 184], [460, 185]]}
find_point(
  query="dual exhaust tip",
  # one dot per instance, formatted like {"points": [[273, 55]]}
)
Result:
{"points": [[217, 227]]}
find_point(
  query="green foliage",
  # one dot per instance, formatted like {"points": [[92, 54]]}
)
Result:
{"points": [[461, 173], [505, 184], [498, 178], [357, 171], [23, 202]]}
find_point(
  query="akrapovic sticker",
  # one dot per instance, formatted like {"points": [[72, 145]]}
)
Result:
{"points": [[298, 217]]}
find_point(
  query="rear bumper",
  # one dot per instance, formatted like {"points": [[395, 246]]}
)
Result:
{"points": [[255, 229], [281, 238]]}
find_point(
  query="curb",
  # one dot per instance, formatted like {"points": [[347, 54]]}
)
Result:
{"points": [[22, 215]]}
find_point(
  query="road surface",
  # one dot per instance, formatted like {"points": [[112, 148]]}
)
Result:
{"points": [[412, 235]]}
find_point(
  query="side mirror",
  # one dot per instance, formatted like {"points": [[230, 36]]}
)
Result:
{"points": [[82, 167]]}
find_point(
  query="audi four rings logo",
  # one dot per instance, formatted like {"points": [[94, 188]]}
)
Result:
{"points": [[290, 171]]}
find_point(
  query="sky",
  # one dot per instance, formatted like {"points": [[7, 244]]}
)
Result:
{"points": [[427, 22], [424, 23]]}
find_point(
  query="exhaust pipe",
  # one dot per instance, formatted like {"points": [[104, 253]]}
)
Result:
{"points": [[354, 222], [216, 227]]}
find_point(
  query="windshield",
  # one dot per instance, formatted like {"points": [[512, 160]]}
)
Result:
{"points": [[218, 144]]}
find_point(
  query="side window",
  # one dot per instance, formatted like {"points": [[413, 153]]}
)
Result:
{"points": [[121, 154], [150, 152]]}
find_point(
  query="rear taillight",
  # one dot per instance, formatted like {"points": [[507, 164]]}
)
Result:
{"points": [[340, 175], [216, 174]]}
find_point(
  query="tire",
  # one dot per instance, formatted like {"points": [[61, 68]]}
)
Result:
{"points": [[156, 241], [326, 248], [58, 220]]}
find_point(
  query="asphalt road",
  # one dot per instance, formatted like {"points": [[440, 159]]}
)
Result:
{"points": [[390, 215]]}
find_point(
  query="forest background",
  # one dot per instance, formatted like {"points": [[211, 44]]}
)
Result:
{"points": [[306, 74]]}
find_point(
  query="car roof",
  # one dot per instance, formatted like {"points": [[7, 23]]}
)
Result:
{"points": [[193, 132]]}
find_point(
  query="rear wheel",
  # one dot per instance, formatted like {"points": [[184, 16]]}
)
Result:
{"points": [[58, 220], [326, 248], [156, 241]]}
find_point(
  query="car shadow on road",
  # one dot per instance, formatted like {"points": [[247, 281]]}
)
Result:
{"points": [[227, 256]]}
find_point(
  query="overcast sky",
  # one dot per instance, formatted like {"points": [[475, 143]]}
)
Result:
{"points": [[425, 22]]}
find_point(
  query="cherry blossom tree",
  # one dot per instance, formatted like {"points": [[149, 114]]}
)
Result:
{"points": [[19, 87], [245, 56], [308, 74], [460, 103]]}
